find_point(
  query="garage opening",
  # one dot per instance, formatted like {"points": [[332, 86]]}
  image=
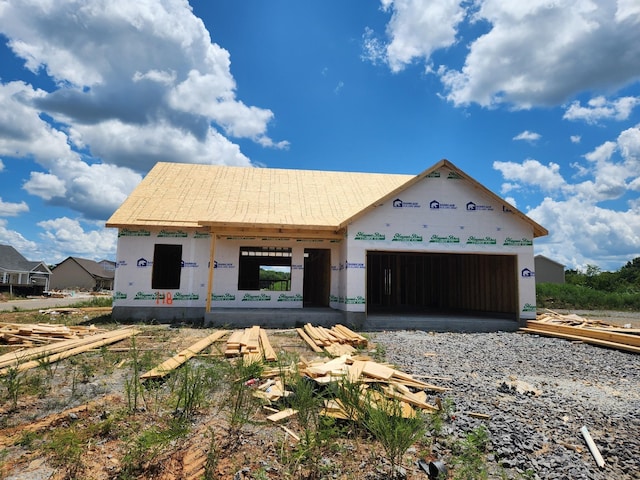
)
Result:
{"points": [[442, 283]]}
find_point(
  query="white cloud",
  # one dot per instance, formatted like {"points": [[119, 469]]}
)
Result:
{"points": [[581, 230], [135, 83], [1, 165], [23, 132], [533, 53], [64, 235], [417, 28], [599, 108], [26, 247], [528, 136], [11, 209], [143, 64], [532, 172], [581, 233], [575, 138]]}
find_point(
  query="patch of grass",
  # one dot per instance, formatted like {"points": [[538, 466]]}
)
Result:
{"points": [[12, 382], [395, 432], [240, 400], [66, 445], [145, 448], [469, 455]]}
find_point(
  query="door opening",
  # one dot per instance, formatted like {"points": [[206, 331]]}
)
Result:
{"points": [[317, 277]]}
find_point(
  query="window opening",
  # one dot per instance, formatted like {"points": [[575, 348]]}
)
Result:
{"points": [[167, 266], [264, 268]]}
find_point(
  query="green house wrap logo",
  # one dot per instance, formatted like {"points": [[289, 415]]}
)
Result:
{"points": [[520, 242], [202, 235], [447, 239], [283, 297], [354, 300], [528, 308], [414, 237], [172, 234], [148, 296], [125, 232], [225, 297], [185, 296], [119, 296], [263, 297], [481, 241], [369, 236]]}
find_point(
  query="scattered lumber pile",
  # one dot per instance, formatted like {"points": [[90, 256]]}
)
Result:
{"points": [[576, 328], [28, 358], [26, 334], [336, 341], [174, 362], [252, 343], [375, 384]]}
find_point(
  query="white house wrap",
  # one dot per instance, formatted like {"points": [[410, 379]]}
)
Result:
{"points": [[194, 242]]}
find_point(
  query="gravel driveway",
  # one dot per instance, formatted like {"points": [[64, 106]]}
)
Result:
{"points": [[538, 392]]}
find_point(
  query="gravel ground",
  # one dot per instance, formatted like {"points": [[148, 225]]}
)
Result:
{"points": [[539, 392]]}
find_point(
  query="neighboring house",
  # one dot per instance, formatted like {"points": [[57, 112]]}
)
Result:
{"points": [[195, 240], [547, 270], [19, 275], [75, 273]]}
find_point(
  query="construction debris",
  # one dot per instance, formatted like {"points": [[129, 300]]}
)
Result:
{"points": [[576, 328], [336, 341], [32, 357], [376, 384], [252, 343], [174, 362], [26, 334]]}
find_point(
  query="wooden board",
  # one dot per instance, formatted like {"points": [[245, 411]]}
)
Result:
{"points": [[174, 362], [593, 341]]}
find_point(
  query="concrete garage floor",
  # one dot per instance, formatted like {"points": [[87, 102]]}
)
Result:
{"points": [[287, 318], [440, 323]]}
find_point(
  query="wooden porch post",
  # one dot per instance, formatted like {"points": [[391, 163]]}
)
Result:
{"points": [[212, 251]]}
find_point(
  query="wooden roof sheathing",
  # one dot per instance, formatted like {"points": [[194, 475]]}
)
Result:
{"points": [[187, 195], [228, 198]]}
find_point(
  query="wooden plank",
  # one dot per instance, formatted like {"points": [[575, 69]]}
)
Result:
{"points": [[600, 334], [309, 340], [269, 353], [174, 362], [593, 341], [115, 336], [14, 358], [286, 413], [377, 370]]}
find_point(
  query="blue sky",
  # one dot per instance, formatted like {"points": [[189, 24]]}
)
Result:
{"points": [[539, 102]]}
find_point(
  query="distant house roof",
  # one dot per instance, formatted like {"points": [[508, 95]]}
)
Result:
{"points": [[12, 260], [174, 195], [542, 257], [93, 268]]}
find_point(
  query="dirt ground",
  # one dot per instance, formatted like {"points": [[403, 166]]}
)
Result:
{"points": [[82, 418]]}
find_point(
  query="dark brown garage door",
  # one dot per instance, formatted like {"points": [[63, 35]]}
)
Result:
{"points": [[437, 283]]}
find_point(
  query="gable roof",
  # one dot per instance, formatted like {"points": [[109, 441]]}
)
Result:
{"points": [[94, 269], [228, 198], [12, 260]]}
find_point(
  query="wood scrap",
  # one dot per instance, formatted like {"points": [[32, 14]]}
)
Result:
{"points": [[252, 343], [71, 349], [578, 329], [336, 341], [174, 362], [16, 333], [308, 340], [281, 415]]}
